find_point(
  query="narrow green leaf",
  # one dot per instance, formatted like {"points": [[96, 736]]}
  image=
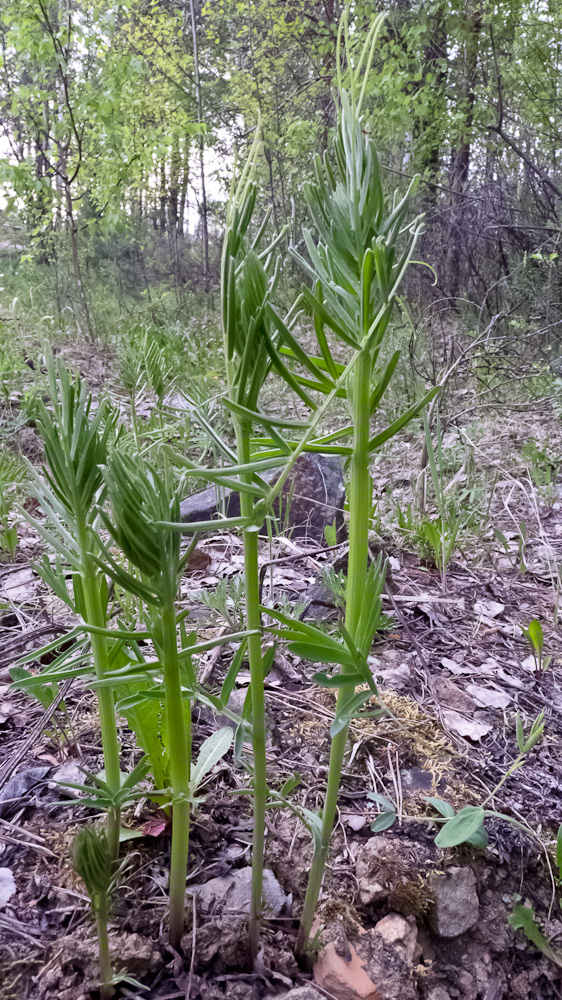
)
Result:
{"points": [[322, 654], [397, 425], [337, 680], [212, 750]]}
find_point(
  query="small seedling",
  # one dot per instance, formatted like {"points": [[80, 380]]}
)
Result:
{"points": [[523, 918], [535, 636], [93, 863]]}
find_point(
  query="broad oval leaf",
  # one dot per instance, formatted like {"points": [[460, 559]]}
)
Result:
{"points": [[535, 634], [480, 838], [462, 826], [383, 822], [444, 808], [382, 801]]}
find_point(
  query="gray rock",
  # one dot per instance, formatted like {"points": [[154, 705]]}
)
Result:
{"points": [[312, 498], [385, 864], [456, 905], [400, 932], [18, 786], [231, 894], [416, 779]]}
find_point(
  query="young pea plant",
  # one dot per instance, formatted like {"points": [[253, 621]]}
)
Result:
{"points": [[252, 336], [145, 524], [75, 437], [357, 260], [143, 516]]}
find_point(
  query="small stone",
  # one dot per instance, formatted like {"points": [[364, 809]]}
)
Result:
{"points": [[354, 821], [385, 864], [231, 894], [385, 967], [7, 886], [456, 905], [416, 779], [401, 932], [135, 953], [346, 980], [438, 993], [300, 993]]}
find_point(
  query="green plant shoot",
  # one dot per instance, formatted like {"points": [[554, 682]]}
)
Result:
{"points": [[75, 441], [357, 260], [535, 636], [144, 515], [93, 863]]}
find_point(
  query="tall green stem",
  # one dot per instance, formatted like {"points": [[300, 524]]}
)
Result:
{"points": [[106, 989], [96, 615], [179, 747], [253, 623], [359, 515]]}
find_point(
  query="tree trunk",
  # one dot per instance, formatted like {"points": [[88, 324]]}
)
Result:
{"points": [[73, 234], [163, 196], [184, 185], [204, 219], [460, 158], [175, 169]]}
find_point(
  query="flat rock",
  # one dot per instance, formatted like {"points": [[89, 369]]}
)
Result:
{"points": [[417, 779], [385, 967], [20, 785], [456, 905], [400, 932], [344, 977], [231, 894], [312, 498]]}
